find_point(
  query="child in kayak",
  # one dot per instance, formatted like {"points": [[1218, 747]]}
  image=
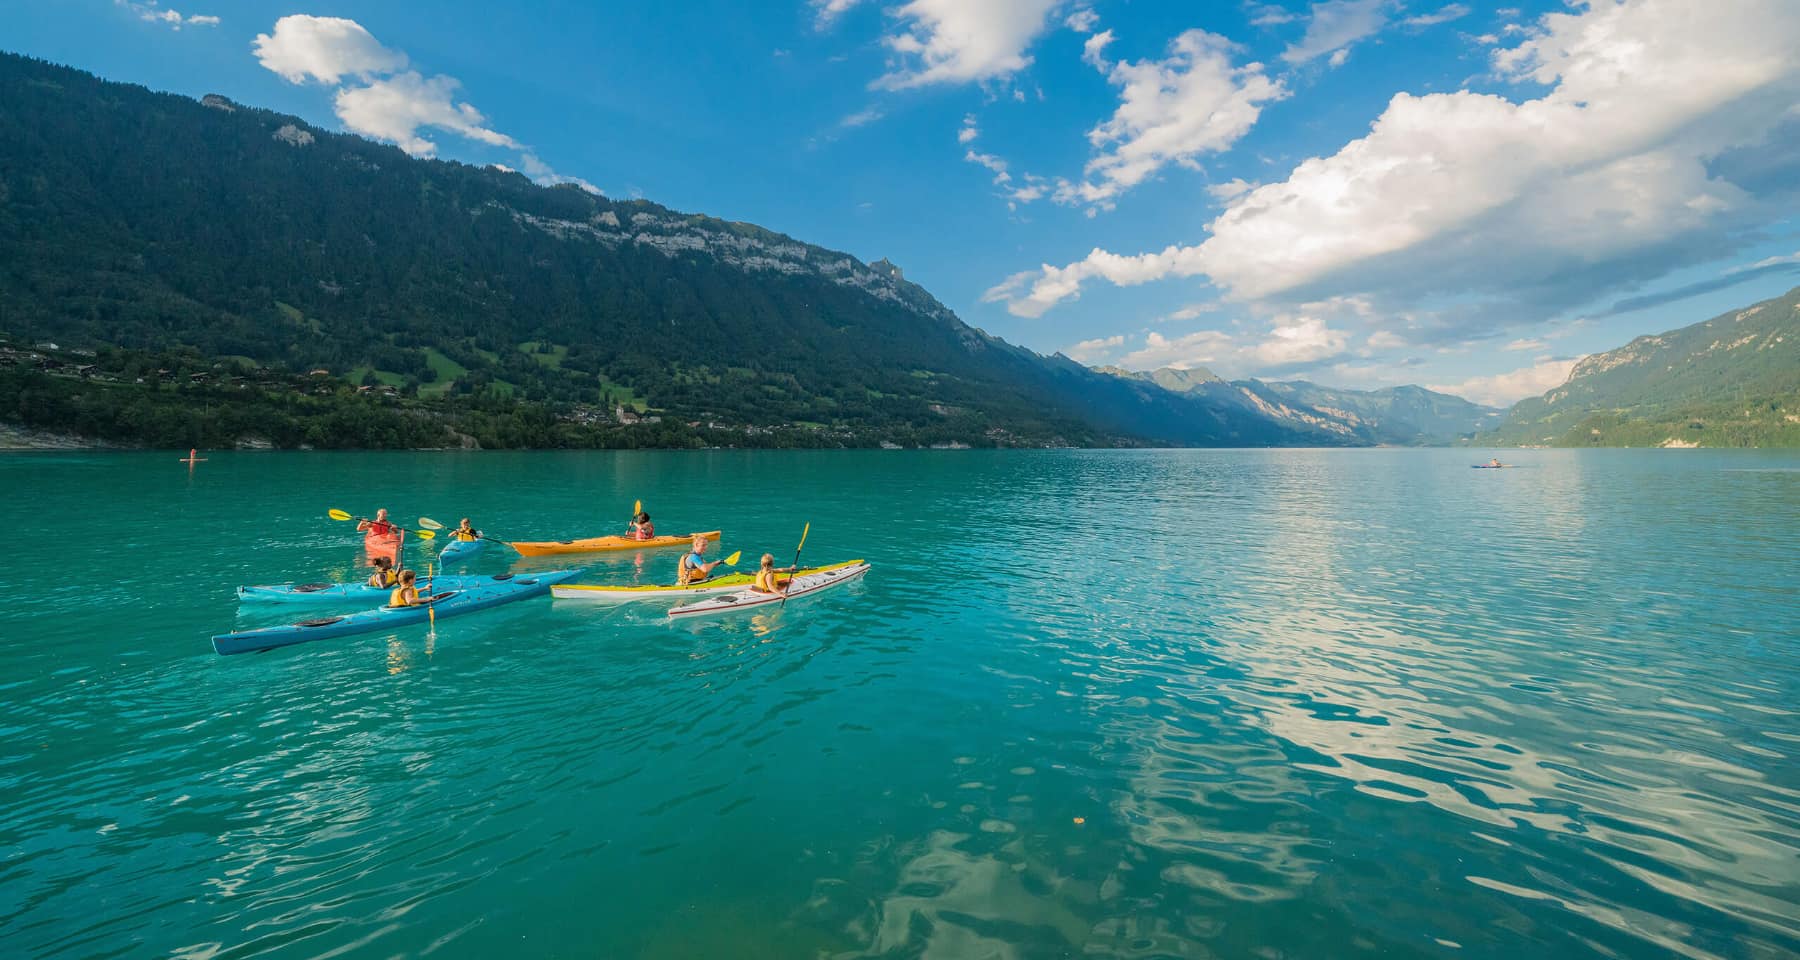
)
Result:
{"points": [[767, 580], [404, 595], [465, 532], [384, 576], [642, 528], [693, 569]]}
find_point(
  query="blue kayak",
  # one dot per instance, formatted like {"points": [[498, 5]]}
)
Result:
{"points": [[342, 593], [447, 604], [461, 550]]}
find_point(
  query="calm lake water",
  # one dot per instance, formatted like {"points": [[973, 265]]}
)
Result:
{"points": [[1246, 704]]}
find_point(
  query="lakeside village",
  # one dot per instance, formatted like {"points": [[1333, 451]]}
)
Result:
{"points": [[189, 373]]}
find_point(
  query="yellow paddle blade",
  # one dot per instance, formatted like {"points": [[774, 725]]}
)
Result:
{"points": [[732, 560], [637, 507], [430, 524], [337, 514], [425, 534], [803, 534]]}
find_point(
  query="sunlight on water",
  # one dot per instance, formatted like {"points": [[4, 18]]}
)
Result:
{"points": [[1132, 704]]}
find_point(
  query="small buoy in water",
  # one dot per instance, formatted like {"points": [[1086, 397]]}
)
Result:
{"points": [[1080, 820]]}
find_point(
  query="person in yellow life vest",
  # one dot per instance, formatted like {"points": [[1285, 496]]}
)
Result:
{"points": [[767, 576], [404, 595], [693, 568], [466, 532], [384, 576]]}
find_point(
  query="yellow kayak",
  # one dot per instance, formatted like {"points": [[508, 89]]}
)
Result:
{"points": [[544, 548], [730, 583]]}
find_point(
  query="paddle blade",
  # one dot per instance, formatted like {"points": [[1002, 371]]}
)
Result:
{"points": [[430, 524], [637, 507], [732, 560], [803, 534], [337, 514], [425, 534]]}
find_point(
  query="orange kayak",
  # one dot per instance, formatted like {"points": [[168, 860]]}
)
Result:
{"points": [[544, 548]]}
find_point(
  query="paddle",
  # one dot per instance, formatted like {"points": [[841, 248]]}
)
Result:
{"points": [[341, 515], [431, 524], [796, 574]]}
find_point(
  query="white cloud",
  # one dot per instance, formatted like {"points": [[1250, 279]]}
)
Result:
{"points": [[995, 165], [969, 130], [959, 41], [1199, 348], [829, 10], [1082, 21], [1607, 180], [1384, 340], [1093, 50], [1769, 262], [1230, 189], [1339, 57], [390, 103], [1526, 344], [1171, 111], [1190, 312], [861, 118], [1444, 14], [1269, 15], [395, 108], [1336, 24], [1506, 389], [1291, 342], [540, 172], [1088, 351], [150, 12], [326, 49]]}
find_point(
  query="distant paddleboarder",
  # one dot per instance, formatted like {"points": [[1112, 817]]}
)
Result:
{"points": [[193, 457]]}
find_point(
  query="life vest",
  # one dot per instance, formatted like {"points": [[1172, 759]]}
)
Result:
{"points": [[467, 536], [398, 597], [686, 574], [388, 578], [768, 581], [644, 531], [380, 528]]}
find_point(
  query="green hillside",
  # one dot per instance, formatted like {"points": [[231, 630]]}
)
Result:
{"points": [[150, 223], [1732, 381]]}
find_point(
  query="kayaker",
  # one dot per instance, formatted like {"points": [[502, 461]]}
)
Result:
{"points": [[767, 580], [405, 595], [465, 532], [1495, 462], [693, 568], [384, 576], [378, 526], [642, 528]]}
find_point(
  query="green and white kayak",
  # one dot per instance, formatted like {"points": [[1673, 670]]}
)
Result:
{"points": [[730, 583], [801, 585], [345, 593], [447, 604]]}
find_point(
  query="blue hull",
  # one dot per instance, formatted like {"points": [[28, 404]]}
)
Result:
{"points": [[387, 618], [461, 550]]}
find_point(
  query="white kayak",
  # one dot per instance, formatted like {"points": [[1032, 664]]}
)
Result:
{"points": [[729, 583], [802, 585]]}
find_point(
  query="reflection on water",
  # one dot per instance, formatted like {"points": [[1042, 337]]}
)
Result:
{"points": [[1136, 704]]}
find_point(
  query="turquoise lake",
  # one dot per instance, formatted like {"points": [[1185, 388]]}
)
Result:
{"points": [[1258, 704]]}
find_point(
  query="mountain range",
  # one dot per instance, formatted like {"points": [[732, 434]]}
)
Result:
{"points": [[1731, 381], [239, 276]]}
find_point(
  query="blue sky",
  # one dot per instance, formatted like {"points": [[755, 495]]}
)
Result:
{"points": [[1359, 192]]}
